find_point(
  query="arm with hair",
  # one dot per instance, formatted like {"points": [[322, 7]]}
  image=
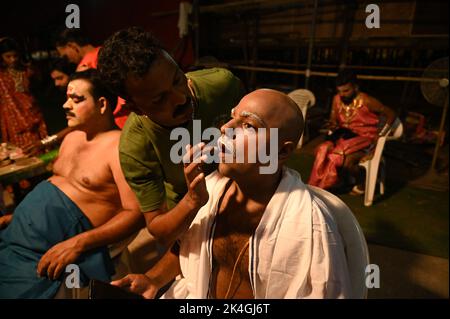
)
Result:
{"points": [[168, 226], [162, 273]]}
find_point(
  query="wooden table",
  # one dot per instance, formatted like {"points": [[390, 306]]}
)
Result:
{"points": [[22, 169]]}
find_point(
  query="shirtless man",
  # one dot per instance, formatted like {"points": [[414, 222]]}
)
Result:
{"points": [[84, 207], [259, 235]]}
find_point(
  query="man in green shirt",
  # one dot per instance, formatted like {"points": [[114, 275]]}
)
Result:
{"points": [[162, 98]]}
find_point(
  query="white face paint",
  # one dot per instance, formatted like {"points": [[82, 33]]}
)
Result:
{"points": [[227, 142]]}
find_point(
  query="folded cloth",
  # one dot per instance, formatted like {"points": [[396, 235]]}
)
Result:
{"points": [[44, 218]]}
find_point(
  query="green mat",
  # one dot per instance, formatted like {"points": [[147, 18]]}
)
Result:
{"points": [[405, 217]]}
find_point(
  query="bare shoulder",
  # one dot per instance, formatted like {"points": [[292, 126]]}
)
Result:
{"points": [[72, 138], [74, 135], [109, 143], [112, 136], [368, 99]]}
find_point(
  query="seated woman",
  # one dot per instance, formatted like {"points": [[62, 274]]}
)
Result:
{"points": [[21, 121]]}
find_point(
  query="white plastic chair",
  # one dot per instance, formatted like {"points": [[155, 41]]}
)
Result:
{"points": [[305, 99], [353, 238], [372, 165]]}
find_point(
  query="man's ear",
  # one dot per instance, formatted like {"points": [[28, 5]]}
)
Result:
{"points": [[103, 103], [286, 150]]}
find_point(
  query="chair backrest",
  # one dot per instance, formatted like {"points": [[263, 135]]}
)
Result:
{"points": [[352, 235], [396, 130], [394, 133], [305, 99]]}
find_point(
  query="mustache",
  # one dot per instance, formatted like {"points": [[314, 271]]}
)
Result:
{"points": [[68, 113], [182, 108]]}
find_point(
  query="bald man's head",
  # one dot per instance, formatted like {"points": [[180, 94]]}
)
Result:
{"points": [[277, 110], [265, 122]]}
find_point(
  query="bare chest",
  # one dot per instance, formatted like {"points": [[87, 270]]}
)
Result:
{"points": [[86, 166], [234, 227], [230, 255]]}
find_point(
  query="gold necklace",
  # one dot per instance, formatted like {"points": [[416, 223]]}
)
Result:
{"points": [[238, 261], [349, 111]]}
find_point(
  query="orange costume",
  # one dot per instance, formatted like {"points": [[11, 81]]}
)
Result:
{"points": [[89, 60], [362, 124]]}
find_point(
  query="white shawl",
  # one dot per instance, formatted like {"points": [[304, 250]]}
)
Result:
{"points": [[295, 252]]}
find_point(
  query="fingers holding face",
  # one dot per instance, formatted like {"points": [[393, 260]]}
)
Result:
{"points": [[193, 160]]}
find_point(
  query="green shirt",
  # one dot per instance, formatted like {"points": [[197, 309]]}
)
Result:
{"points": [[144, 148]]}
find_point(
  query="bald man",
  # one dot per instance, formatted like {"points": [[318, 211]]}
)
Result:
{"points": [[259, 235]]}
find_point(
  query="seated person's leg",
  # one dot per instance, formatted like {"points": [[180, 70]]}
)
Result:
{"points": [[354, 173]]}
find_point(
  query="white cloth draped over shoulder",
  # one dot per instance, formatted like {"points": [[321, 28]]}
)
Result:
{"points": [[295, 252]]}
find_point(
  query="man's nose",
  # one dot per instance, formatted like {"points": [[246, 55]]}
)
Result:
{"points": [[178, 97], [230, 125], [227, 125], [67, 105]]}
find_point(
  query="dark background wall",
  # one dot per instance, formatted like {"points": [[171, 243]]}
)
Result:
{"points": [[273, 34], [34, 22]]}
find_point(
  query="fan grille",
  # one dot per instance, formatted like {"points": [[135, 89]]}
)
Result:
{"points": [[433, 92]]}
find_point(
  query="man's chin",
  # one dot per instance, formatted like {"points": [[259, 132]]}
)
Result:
{"points": [[72, 124], [223, 169], [229, 170], [185, 124], [182, 122]]}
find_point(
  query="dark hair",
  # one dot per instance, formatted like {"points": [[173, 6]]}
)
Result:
{"points": [[346, 76], [129, 51], [98, 88], [9, 44], [71, 35], [62, 65]]}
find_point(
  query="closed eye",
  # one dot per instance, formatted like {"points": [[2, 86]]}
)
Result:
{"points": [[159, 99]]}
